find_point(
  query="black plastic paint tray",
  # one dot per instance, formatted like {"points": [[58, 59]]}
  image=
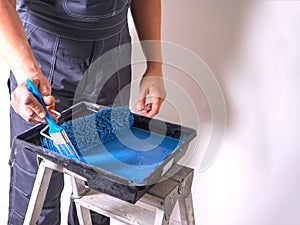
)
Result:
{"points": [[129, 186]]}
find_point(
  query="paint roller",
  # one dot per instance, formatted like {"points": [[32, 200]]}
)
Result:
{"points": [[58, 135], [101, 126]]}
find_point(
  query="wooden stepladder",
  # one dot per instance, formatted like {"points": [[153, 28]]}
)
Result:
{"points": [[154, 208]]}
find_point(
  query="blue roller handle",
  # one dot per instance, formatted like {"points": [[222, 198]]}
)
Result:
{"points": [[66, 149], [53, 127]]}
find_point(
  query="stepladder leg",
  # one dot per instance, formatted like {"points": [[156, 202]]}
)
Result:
{"points": [[186, 209], [159, 217], [38, 194], [79, 189], [83, 214]]}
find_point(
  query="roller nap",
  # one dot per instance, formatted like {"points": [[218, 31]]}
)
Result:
{"points": [[101, 126]]}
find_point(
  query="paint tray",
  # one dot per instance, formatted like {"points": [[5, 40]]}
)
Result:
{"points": [[124, 172]]}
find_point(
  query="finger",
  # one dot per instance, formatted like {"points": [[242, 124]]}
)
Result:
{"points": [[37, 108], [49, 101], [141, 104], [148, 107], [142, 98], [155, 105], [37, 119], [29, 115]]}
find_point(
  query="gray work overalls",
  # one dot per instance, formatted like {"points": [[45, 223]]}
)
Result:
{"points": [[66, 37]]}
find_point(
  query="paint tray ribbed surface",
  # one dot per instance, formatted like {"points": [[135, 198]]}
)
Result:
{"points": [[122, 154]]}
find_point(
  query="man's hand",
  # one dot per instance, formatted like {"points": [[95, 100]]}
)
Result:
{"points": [[26, 105], [151, 85]]}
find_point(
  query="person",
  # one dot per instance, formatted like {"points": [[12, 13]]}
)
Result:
{"points": [[53, 43]]}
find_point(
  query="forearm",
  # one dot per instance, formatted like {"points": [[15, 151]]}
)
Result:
{"points": [[147, 19], [14, 47]]}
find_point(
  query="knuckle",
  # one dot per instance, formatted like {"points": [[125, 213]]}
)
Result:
{"points": [[36, 108]]}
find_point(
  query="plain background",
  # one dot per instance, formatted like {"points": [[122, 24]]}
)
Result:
{"points": [[252, 47]]}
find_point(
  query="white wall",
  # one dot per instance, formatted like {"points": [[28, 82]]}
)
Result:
{"points": [[252, 47]]}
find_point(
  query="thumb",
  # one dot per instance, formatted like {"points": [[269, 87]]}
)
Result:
{"points": [[42, 85], [44, 89]]}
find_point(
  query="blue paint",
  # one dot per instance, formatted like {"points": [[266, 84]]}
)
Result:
{"points": [[108, 140], [132, 156]]}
